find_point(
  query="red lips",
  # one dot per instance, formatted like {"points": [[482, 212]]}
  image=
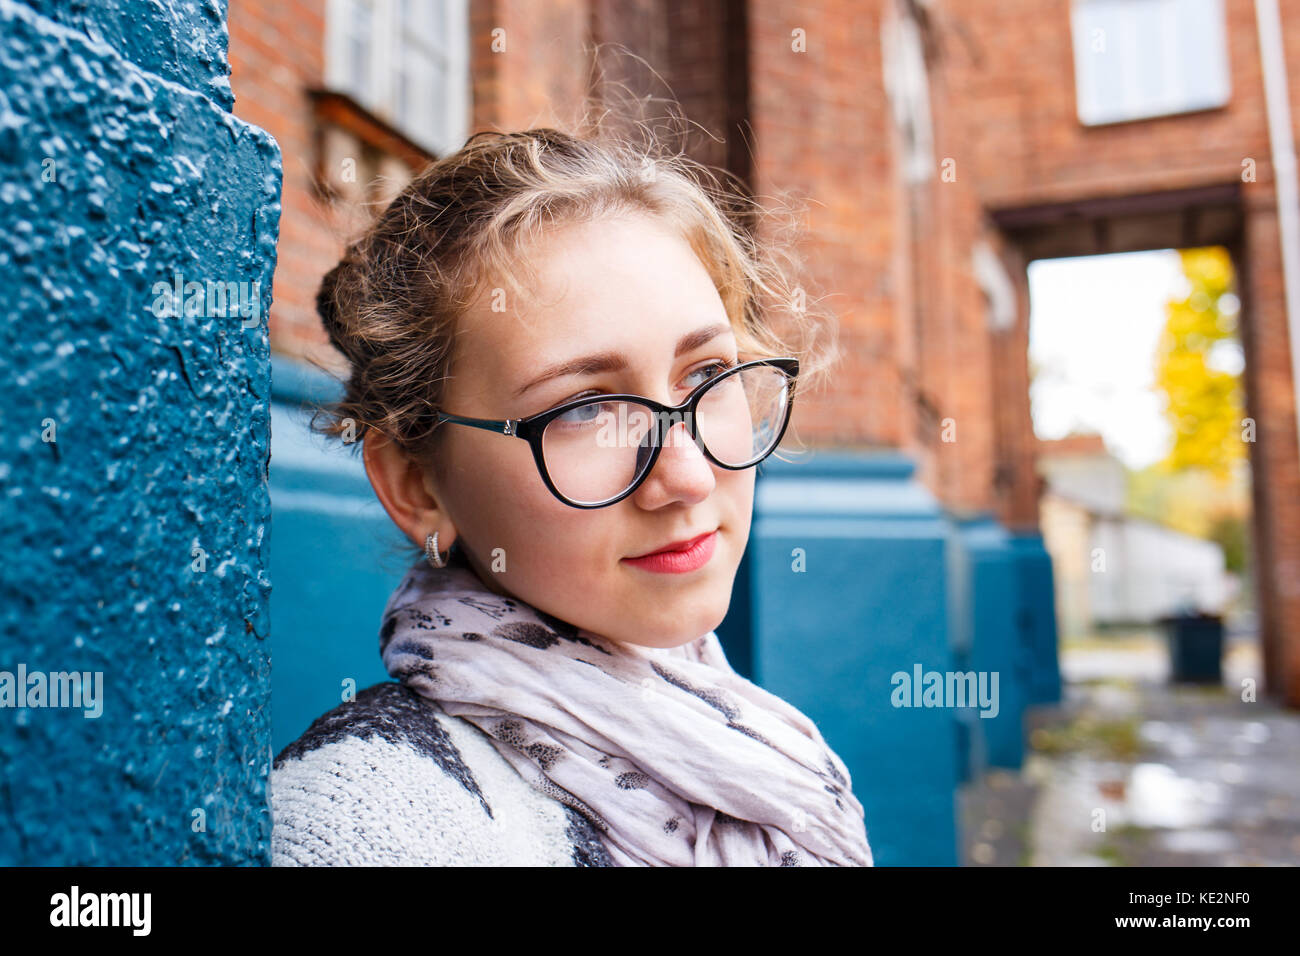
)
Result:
{"points": [[695, 556], [684, 545]]}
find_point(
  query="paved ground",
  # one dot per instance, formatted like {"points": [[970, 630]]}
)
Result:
{"points": [[1131, 771]]}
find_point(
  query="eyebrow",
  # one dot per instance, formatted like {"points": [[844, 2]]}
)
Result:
{"points": [[616, 361]]}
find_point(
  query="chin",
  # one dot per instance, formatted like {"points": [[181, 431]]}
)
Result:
{"points": [[673, 634], [661, 627]]}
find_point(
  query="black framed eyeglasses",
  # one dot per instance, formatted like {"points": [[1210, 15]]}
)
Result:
{"points": [[596, 450]]}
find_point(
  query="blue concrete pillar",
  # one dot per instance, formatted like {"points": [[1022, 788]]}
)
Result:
{"points": [[1038, 617], [990, 613], [138, 221], [970, 739], [335, 560], [847, 588]]}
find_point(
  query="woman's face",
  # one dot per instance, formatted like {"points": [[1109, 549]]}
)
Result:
{"points": [[628, 288]]}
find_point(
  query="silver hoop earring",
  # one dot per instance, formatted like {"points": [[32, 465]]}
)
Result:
{"points": [[431, 551]]}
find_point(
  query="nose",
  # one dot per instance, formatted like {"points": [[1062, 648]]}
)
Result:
{"points": [[682, 473]]}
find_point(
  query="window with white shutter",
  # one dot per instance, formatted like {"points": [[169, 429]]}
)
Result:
{"points": [[1135, 59], [407, 61]]}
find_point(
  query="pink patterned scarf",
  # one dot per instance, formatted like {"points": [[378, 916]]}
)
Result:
{"points": [[675, 758]]}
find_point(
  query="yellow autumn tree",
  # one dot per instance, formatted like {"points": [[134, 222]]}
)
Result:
{"points": [[1204, 400]]}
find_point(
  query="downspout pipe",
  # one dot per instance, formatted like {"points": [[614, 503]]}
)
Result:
{"points": [[1277, 101]]}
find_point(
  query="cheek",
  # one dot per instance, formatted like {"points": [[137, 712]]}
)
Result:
{"points": [[500, 501], [484, 485], [737, 492]]}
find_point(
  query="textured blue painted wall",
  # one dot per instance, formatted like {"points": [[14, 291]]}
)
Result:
{"points": [[1038, 617], [183, 41], [991, 608], [336, 557], [871, 599], [134, 466]]}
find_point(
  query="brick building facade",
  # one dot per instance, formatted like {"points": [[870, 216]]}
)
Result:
{"points": [[940, 148]]}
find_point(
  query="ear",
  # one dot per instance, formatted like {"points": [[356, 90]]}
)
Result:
{"points": [[408, 494]]}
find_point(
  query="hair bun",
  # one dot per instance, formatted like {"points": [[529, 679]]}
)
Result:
{"points": [[327, 297]]}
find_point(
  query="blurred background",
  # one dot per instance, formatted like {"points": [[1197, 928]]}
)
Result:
{"points": [[1062, 446], [1044, 557]]}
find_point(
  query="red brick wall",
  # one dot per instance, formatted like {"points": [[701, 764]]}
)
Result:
{"points": [[1013, 64], [276, 54], [1276, 474], [895, 260], [540, 77], [821, 134]]}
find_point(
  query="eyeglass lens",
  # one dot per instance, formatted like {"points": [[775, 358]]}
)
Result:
{"points": [[596, 452]]}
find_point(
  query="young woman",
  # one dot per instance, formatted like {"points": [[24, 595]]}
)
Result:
{"points": [[562, 378]]}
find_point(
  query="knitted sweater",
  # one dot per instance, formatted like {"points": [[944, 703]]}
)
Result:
{"points": [[390, 779]]}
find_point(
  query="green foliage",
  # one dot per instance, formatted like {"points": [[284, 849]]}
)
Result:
{"points": [[1191, 500], [1230, 532], [1113, 739]]}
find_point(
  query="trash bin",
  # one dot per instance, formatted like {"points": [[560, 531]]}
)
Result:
{"points": [[1195, 647]]}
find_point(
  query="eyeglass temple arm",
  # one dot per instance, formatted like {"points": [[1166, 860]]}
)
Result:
{"points": [[505, 426]]}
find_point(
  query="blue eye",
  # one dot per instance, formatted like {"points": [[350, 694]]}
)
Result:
{"points": [[717, 368], [583, 414]]}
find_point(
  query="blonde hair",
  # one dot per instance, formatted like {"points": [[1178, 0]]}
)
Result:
{"points": [[391, 305]]}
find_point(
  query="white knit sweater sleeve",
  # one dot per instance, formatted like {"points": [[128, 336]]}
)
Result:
{"points": [[389, 779]]}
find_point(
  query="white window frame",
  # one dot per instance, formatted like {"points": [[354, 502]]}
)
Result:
{"points": [[1099, 52], [908, 87], [439, 127]]}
